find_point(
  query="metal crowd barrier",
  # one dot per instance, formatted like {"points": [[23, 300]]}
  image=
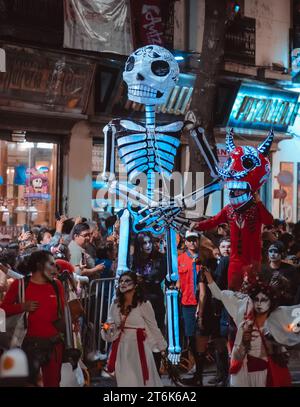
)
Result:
{"points": [[96, 298]]}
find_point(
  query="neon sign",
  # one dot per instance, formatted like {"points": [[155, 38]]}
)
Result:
{"points": [[257, 107]]}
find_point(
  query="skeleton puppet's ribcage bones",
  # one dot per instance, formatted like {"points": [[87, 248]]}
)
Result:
{"points": [[149, 150]]}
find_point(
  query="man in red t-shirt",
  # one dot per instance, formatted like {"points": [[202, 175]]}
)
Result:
{"points": [[188, 269], [41, 303]]}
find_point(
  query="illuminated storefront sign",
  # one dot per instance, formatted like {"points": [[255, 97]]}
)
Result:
{"points": [[259, 107]]}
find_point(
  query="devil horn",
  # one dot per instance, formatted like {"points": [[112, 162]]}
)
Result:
{"points": [[229, 141], [264, 147]]}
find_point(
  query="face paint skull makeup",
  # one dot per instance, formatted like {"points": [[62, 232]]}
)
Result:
{"points": [[147, 245], [274, 253], [125, 284], [261, 303], [150, 73], [246, 169]]}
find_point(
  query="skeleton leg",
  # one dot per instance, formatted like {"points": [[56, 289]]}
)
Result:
{"points": [[174, 348], [123, 243]]}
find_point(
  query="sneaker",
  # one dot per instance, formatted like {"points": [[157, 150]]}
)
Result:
{"points": [[192, 381]]}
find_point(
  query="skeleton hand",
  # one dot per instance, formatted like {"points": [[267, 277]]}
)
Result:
{"points": [[174, 358], [156, 218]]}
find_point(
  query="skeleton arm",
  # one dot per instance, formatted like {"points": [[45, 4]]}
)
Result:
{"points": [[221, 217], [109, 151], [198, 136]]}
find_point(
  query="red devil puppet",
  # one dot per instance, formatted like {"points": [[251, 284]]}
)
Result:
{"points": [[245, 171]]}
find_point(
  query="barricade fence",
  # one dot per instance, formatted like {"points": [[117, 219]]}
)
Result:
{"points": [[96, 298]]}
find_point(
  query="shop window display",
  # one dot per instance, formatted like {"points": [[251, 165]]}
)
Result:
{"points": [[28, 172]]}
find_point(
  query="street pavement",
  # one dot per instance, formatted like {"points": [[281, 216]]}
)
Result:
{"points": [[105, 380]]}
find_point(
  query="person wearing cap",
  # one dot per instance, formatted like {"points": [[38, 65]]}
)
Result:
{"points": [[188, 269]]}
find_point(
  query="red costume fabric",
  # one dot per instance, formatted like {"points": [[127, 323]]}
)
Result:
{"points": [[186, 278], [40, 322], [141, 336], [245, 236]]}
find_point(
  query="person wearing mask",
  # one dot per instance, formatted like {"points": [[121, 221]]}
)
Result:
{"points": [[188, 269], [278, 267], [257, 359], [151, 268], [44, 303], [133, 331]]}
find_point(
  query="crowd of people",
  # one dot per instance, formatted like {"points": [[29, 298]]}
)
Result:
{"points": [[33, 289]]}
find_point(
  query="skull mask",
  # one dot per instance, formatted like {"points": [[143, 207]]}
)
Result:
{"points": [[246, 169], [37, 183], [150, 73]]}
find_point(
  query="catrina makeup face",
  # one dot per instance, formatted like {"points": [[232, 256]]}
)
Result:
{"points": [[274, 253], [126, 284], [261, 303], [147, 245]]}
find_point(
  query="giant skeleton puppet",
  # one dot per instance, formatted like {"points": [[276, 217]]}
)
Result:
{"points": [[150, 73], [146, 149]]}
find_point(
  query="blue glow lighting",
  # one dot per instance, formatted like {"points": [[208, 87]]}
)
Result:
{"points": [[179, 58], [236, 8], [258, 107]]}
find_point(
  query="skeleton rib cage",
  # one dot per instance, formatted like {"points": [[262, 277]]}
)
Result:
{"points": [[142, 151]]}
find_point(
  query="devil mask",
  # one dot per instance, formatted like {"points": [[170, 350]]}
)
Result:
{"points": [[246, 169]]}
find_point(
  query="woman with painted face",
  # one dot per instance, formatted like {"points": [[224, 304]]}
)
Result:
{"points": [[255, 360], [151, 268], [132, 328], [44, 304]]}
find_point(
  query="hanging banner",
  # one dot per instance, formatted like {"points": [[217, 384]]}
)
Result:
{"points": [[98, 25], [37, 184], [153, 22]]}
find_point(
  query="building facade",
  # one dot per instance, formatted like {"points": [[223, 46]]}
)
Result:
{"points": [[59, 100]]}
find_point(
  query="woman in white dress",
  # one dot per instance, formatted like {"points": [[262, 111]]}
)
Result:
{"points": [[132, 328], [255, 360]]}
